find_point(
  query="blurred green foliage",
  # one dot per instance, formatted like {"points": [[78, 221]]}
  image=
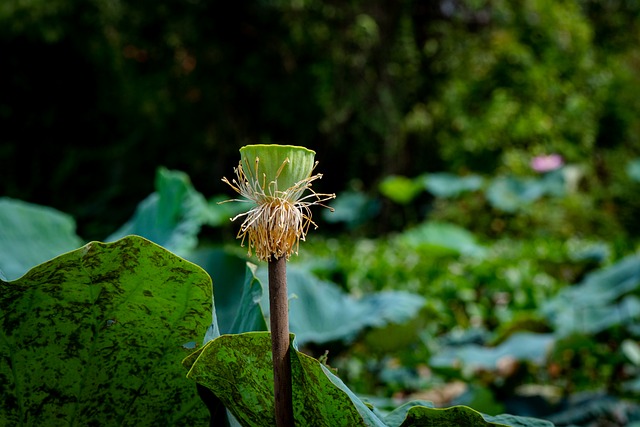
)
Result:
{"points": [[529, 321], [105, 91]]}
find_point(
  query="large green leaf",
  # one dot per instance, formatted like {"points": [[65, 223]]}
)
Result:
{"points": [[172, 216], [463, 416], [319, 311], [239, 371], [96, 336], [398, 415], [32, 234], [459, 416], [517, 421], [238, 294]]}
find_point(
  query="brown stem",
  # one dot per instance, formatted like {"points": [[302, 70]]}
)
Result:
{"points": [[279, 312]]}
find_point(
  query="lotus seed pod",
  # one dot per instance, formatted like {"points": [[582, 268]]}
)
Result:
{"points": [[277, 168], [274, 179]]}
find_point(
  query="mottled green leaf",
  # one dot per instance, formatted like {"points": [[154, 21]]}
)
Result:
{"points": [[238, 369], [516, 421], [459, 416], [368, 414], [398, 415], [463, 416], [31, 234], [238, 294], [96, 336]]}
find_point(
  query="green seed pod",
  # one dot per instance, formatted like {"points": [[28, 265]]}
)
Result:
{"points": [[273, 179], [277, 168]]}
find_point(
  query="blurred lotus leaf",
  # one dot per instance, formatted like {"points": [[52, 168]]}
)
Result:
{"points": [[319, 311], [438, 238], [400, 189], [31, 234], [449, 185], [633, 170], [171, 216]]}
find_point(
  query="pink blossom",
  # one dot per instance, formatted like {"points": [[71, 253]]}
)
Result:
{"points": [[547, 163]]}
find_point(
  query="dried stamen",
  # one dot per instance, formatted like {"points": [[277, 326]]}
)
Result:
{"points": [[279, 219]]}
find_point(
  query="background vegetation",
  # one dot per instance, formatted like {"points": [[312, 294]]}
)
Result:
{"points": [[425, 116], [98, 93]]}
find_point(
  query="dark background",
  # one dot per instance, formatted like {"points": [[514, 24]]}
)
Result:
{"points": [[96, 94]]}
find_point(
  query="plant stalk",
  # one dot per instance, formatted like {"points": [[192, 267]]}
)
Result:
{"points": [[279, 312]]}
